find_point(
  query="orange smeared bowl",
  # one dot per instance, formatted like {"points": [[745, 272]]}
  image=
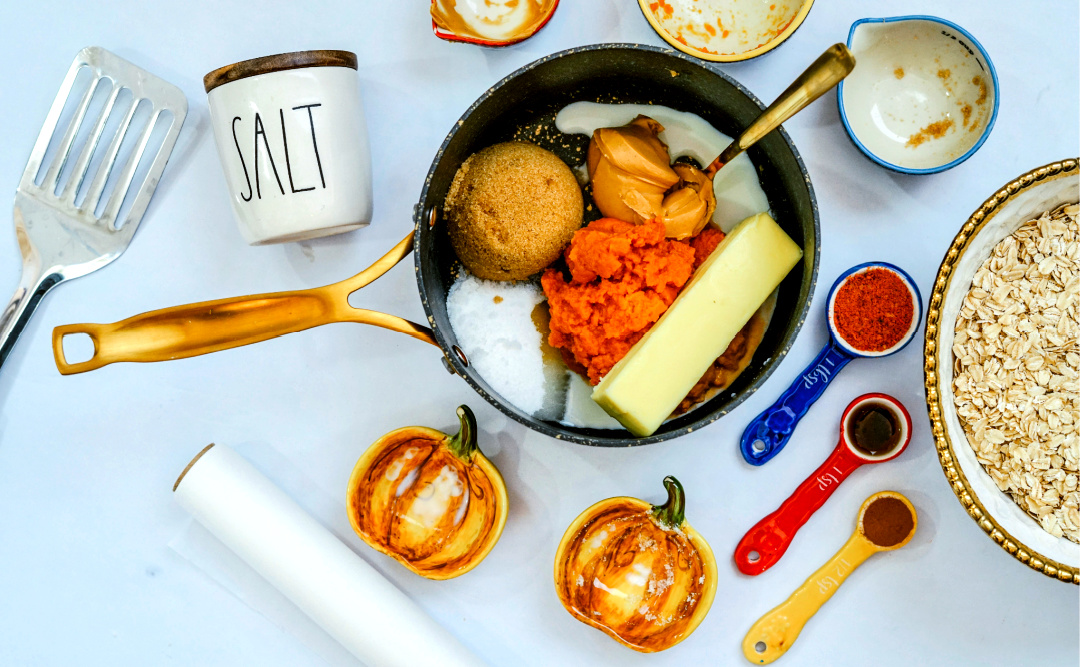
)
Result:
{"points": [[491, 22], [725, 30], [637, 572], [431, 501]]}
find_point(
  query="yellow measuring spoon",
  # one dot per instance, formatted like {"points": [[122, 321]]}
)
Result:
{"points": [[887, 521]]}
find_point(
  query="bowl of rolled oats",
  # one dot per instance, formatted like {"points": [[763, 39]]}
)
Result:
{"points": [[1002, 362]]}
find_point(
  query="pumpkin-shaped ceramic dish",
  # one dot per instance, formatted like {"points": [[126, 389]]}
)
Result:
{"points": [[431, 501], [996, 513], [637, 572], [725, 31], [924, 96]]}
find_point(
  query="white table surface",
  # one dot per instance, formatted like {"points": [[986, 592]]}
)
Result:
{"points": [[87, 573]]}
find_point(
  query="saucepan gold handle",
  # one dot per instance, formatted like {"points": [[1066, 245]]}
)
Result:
{"points": [[210, 326]]}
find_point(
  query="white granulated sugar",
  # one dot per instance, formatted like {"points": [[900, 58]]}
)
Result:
{"points": [[493, 324]]}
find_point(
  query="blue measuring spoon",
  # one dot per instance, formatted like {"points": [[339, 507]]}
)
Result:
{"points": [[767, 434]]}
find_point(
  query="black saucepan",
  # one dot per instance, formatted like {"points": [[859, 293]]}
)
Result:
{"points": [[525, 103]]}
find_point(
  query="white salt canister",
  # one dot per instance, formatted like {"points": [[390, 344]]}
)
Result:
{"points": [[292, 140]]}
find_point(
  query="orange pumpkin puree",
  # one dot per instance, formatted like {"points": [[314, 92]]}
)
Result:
{"points": [[623, 278]]}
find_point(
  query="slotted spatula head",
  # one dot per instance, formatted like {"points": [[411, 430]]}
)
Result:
{"points": [[72, 238], [67, 219]]}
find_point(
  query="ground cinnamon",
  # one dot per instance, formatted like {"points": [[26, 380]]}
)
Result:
{"points": [[873, 310], [887, 521], [935, 130]]}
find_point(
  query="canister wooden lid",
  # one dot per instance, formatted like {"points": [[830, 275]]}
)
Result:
{"points": [[280, 62]]}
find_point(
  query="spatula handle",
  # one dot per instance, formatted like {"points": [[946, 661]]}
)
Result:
{"points": [[211, 326], [32, 288]]}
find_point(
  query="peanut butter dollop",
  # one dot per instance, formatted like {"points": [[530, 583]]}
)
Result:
{"points": [[689, 206], [633, 180]]}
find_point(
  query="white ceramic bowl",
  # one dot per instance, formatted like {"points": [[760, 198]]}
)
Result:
{"points": [[725, 31], [1021, 200], [923, 96]]}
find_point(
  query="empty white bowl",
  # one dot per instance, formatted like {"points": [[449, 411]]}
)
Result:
{"points": [[923, 96]]}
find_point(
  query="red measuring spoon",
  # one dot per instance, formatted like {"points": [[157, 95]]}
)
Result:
{"points": [[766, 542]]}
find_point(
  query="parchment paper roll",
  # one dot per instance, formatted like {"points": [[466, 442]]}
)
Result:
{"points": [[355, 604]]}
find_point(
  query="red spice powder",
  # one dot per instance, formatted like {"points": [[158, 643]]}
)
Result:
{"points": [[873, 310]]}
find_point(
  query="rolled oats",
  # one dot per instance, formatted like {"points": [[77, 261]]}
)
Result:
{"points": [[1017, 360]]}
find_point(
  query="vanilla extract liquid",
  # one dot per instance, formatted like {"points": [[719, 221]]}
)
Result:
{"points": [[874, 429]]}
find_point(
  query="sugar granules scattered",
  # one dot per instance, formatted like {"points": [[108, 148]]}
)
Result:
{"points": [[494, 326]]}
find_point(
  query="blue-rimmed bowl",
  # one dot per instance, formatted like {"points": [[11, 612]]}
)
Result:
{"points": [[924, 95]]}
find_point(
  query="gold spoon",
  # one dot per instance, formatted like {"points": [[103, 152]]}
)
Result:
{"points": [[828, 70], [776, 631]]}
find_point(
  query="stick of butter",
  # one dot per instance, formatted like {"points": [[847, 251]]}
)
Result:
{"points": [[643, 389]]}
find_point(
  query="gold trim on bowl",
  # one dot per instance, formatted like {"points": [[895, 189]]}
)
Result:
{"points": [[946, 455], [788, 31]]}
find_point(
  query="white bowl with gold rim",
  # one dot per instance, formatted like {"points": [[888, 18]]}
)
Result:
{"points": [[1023, 199], [923, 96], [725, 30]]}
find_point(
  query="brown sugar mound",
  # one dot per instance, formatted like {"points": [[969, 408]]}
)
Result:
{"points": [[623, 279], [511, 209]]}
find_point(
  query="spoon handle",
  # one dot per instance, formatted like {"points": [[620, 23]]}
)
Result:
{"points": [[767, 434], [828, 70], [765, 543], [776, 631]]}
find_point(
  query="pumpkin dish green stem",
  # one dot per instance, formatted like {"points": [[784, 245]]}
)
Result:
{"points": [[463, 445], [673, 512]]}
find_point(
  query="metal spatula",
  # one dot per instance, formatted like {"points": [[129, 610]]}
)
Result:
{"points": [[60, 240]]}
